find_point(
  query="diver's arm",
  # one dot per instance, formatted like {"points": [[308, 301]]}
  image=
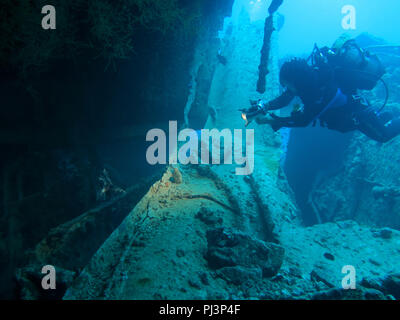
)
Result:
{"points": [[282, 101], [298, 119]]}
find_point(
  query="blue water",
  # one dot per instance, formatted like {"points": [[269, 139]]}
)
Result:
{"points": [[311, 21]]}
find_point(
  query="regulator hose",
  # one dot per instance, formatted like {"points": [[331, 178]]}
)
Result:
{"points": [[387, 95]]}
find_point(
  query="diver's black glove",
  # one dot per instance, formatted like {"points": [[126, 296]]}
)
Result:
{"points": [[258, 107], [254, 103], [276, 123]]}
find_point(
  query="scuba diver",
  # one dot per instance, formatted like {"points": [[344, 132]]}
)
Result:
{"points": [[327, 89]]}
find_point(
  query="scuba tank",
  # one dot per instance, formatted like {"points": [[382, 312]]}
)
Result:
{"points": [[354, 68], [358, 66]]}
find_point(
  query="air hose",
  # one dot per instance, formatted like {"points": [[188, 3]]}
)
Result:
{"points": [[387, 95]]}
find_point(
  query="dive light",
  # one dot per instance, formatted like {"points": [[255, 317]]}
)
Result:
{"points": [[248, 115]]}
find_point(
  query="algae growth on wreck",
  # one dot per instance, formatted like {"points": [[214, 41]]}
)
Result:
{"points": [[145, 156]]}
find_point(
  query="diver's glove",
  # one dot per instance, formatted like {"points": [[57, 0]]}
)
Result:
{"points": [[273, 120], [277, 122], [276, 125], [258, 107], [260, 104]]}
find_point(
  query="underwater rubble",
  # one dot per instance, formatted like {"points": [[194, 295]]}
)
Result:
{"points": [[78, 238], [184, 234], [186, 240]]}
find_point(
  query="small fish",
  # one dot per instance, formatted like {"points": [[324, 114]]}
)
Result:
{"points": [[221, 58]]}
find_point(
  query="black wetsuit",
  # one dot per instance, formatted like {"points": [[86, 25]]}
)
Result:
{"points": [[322, 101]]}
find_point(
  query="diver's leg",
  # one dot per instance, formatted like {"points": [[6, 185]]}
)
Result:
{"points": [[378, 128]]}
